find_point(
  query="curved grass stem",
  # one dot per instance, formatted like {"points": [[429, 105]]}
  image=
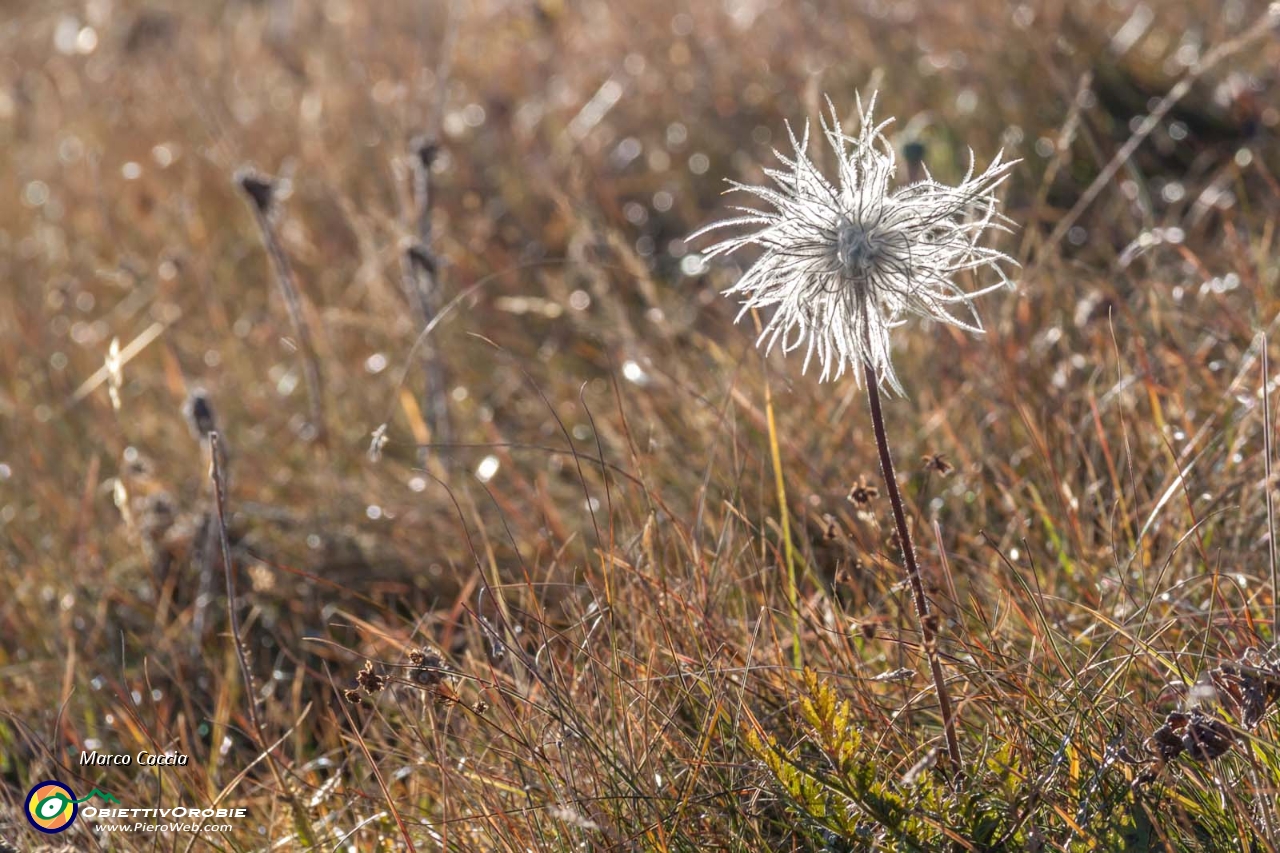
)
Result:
{"points": [[784, 516]]}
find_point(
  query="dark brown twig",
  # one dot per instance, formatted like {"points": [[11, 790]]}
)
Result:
{"points": [[202, 421], [928, 621]]}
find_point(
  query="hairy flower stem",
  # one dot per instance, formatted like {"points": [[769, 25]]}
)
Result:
{"points": [[301, 821], [928, 622]]}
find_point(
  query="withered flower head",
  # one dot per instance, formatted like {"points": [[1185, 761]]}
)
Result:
{"points": [[937, 462], [843, 262], [863, 493], [198, 410], [429, 667], [370, 681], [258, 187]]}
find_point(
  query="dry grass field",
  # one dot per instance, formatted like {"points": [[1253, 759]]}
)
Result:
{"points": [[522, 582]]}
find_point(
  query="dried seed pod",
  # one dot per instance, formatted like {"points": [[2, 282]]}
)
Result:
{"points": [[937, 462], [426, 150], [429, 667], [198, 410], [258, 187], [1164, 741], [1207, 738], [1203, 737], [1248, 687], [370, 681], [421, 258], [863, 493]]}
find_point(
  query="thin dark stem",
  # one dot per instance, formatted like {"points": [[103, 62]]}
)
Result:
{"points": [[1271, 516], [928, 621], [260, 189], [233, 616], [216, 473], [422, 285]]}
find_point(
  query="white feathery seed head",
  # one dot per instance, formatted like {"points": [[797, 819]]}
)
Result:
{"points": [[845, 262]]}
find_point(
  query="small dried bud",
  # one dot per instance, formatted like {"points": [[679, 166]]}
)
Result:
{"points": [[1248, 688], [913, 153], [369, 680], [136, 466], [863, 493], [938, 463], [420, 258], [352, 696], [1207, 738], [198, 410], [262, 578], [429, 667], [426, 151], [1194, 732], [427, 676], [259, 188], [157, 513], [1165, 743]]}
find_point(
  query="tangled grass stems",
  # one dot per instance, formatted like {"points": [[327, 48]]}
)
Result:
{"points": [[1261, 28]]}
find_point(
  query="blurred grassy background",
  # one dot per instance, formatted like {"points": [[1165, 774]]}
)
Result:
{"points": [[605, 466]]}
